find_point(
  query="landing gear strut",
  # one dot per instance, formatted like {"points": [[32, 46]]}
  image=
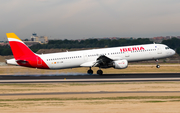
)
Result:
{"points": [[157, 66], [90, 71]]}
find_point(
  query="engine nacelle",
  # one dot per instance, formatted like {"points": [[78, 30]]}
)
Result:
{"points": [[120, 64]]}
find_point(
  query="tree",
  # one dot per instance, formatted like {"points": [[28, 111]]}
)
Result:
{"points": [[178, 50], [172, 43]]}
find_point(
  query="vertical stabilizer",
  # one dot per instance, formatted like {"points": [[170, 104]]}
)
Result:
{"points": [[23, 55], [19, 49]]}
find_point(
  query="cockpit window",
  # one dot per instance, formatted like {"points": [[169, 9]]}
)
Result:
{"points": [[167, 48]]}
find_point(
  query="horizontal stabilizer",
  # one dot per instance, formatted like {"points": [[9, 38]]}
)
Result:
{"points": [[22, 61], [11, 62]]}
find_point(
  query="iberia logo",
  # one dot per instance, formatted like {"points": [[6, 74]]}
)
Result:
{"points": [[131, 49]]}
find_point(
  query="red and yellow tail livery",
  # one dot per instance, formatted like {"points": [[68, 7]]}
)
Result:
{"points": [[22, 54]]}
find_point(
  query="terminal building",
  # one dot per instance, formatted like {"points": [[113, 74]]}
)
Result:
{"points": [[40, 39], [36, 40]]}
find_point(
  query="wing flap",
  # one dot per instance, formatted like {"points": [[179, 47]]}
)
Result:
{"points": [[88, 64]]}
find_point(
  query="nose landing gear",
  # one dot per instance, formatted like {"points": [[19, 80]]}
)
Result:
{"points": [[157, 66]]}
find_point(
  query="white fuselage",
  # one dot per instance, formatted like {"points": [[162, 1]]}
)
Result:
{"points": [[86, 58]]}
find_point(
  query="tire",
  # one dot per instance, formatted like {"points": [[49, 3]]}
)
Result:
{"points": [[99, 72], [90, 72], [157, 66]]}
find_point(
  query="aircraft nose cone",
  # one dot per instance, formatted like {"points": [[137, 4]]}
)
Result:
{"points": [[173, 52]]}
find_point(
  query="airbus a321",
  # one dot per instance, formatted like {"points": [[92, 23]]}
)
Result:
{"points": [[116, 57]]}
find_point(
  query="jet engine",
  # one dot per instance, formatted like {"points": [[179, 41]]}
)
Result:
{"points": [[120, 64]]}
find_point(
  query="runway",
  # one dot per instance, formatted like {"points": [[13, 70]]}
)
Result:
{"points": [[134, 77]]}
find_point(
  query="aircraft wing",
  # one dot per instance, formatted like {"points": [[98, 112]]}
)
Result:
{"points": [[103, 61]]}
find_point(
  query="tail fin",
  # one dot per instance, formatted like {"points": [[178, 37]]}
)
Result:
{"points": [[19, 48], [23, 55]]}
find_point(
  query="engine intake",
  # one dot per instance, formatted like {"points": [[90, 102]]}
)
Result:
{"points": [[120, 64]]}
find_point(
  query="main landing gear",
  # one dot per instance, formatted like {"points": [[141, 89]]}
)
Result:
{"points": [[90, 71], [99, 72], [157, 66]]}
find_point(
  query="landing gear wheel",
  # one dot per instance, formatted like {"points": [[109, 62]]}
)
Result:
{"points": [[157, 66], [99, 72], [90, 72]]}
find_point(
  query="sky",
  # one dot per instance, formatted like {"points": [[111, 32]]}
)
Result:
{"points": [[80, 19]]}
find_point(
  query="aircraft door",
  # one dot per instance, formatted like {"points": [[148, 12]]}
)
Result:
{"points": [[85, 57], [159, 50], [127, 54]]}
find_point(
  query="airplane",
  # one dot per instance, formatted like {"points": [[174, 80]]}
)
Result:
{"points": [[116, 57]]}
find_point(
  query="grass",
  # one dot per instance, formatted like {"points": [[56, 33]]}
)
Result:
{"points": [[28, 85], [158, 101], [79, 84], [13, 90], [83, 87], [155, 101], [97, 102], [33, 85], [6, 70], [55, 103], [4, 105], [100, 98], [51, 87], [30, 102]]}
